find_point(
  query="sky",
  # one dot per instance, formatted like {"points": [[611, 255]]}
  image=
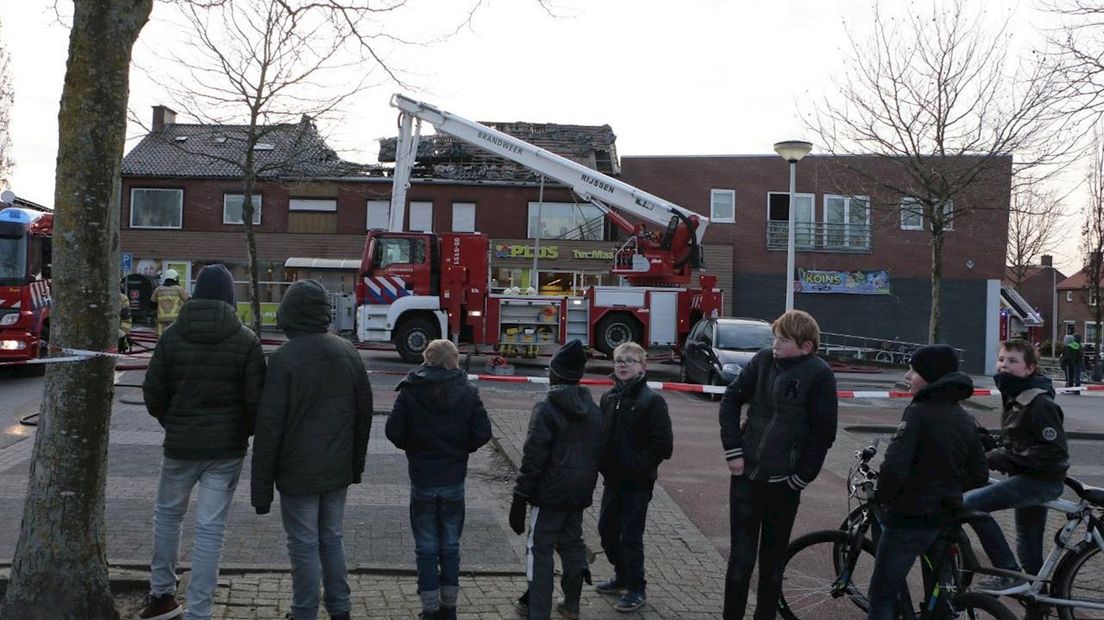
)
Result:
{"points": [[708, 77]]}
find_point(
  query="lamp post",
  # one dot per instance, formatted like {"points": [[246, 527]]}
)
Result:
{"points": [[792, 151]]}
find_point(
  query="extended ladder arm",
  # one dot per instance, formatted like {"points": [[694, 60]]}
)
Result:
{"points": [[589, 184]]}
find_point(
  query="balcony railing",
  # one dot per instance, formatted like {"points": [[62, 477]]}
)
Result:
{"points": [[819, 236]]}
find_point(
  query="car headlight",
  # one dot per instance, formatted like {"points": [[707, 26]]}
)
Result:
{"points": [[732, 369], [9, 318]]}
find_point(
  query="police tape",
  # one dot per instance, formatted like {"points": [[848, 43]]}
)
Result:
{"points": [[78, 355], [719, 389]]}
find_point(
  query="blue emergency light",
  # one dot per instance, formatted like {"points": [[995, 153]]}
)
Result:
{"points": [[15, 216]]}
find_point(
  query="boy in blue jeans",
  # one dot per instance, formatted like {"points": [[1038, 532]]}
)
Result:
{"points": [[438, 419]]}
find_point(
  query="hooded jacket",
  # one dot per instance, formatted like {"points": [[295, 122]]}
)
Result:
{"points": [[438, 419], [1033, 440], [204, 382], [640, 436], [315, 416], [934, 457], [559, 462], [791, 419]]}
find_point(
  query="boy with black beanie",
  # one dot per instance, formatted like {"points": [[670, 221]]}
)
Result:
{"points": [[934, 457], [559, 469]]}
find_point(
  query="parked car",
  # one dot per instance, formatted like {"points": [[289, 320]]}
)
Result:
{"points": [[717, 349]]}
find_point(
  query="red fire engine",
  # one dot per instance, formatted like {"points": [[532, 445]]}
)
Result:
{"points": [[25, 249], [414, 287]]}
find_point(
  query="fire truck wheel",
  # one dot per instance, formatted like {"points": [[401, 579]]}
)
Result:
{"points": [[412, 337], [615, 329]]}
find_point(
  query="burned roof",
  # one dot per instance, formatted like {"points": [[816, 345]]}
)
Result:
{"points": [[445, 157], [291, 150]]}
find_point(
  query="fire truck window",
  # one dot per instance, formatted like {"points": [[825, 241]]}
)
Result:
{"points": [[13, 259], [400, 251], [34, 268]]}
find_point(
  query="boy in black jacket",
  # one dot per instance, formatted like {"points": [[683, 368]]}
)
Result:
{"points": [[640, 439], [559, 469], [777, 452], [438, 419], [1033, 453], [934, 457]]}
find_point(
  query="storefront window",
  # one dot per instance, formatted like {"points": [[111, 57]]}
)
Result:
{"points": [[566, 220]]}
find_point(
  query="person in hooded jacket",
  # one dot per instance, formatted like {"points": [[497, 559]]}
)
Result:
{"points": [[313, 426], [438, 419], [640, 439], [203, 386], [935, 456], [558, 473], [1034, 454]]}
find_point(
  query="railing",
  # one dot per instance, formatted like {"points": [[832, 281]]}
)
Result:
{"points": [[881, 350], [819, 236]]}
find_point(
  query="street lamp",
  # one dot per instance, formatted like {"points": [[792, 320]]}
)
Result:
{"points": [[792, 151]]}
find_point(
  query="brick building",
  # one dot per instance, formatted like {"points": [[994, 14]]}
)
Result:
{"points": [[864, 257], [1077, 308]]}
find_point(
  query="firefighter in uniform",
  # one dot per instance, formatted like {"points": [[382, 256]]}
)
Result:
{"points": [[169, 298]]}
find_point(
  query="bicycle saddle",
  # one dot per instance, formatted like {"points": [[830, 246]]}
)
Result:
{"points": [[1094, 495]]}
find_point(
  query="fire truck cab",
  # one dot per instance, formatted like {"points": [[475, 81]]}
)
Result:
{"points": [[414, 287], [25, 256]]}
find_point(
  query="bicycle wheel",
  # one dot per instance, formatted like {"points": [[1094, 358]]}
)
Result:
{"points": [[975, 605], [809, 578], [1081, 579]]}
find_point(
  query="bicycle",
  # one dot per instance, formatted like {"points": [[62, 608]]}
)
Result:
{"points": [[827, 572], [1074, 571]]}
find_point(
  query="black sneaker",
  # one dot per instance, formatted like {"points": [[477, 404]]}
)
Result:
{"points": [[1002, 586], [631, 601], [610, 586], [522, 605], [161, 607], [566, 611]]}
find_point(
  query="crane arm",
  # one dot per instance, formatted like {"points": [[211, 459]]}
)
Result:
{"points": [[589, 184]]}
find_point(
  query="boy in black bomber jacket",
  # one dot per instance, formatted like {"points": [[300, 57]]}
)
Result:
{"points": [[774, 454]]}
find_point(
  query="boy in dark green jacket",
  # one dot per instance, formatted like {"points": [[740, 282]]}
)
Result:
{"points": [[203, 385], [313, 427]]}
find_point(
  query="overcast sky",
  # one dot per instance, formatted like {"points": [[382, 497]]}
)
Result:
{"points": [[707, 77]]}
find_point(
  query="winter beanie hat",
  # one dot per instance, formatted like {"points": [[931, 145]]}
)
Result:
{"points": [[934, 361], [569, 362], [215, 282]]}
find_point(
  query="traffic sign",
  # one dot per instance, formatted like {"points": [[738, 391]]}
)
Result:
{"points": [[127, 262]]}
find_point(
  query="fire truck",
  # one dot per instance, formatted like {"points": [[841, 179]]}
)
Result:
{"points": [[25, 248], [414, 287]]}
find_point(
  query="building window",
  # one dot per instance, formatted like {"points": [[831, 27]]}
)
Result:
{"points": [[378, 211], [463, 217], [156, 208], [912, 214], [1090, 332], [318, 205], [847, 222], [421, 217], [567, 220], [232, 208], [722, 206], [778, 218], [1070, 327], [1069, 295]]}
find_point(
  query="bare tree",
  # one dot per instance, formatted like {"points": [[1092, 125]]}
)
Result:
{"points": [[272, 65], [7, 100], [1092, 236], [60, 564], [934, 100], [1035, 227]]}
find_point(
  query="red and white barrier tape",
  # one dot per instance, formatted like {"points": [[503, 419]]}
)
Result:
{"points": [[719, 389]]}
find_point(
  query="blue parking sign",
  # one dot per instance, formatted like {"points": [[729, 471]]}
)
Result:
{"points": [[127, 262]]}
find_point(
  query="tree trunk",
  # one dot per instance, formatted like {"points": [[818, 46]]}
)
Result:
{"points": [[60, 564], [251, 244], [936, 317]]}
